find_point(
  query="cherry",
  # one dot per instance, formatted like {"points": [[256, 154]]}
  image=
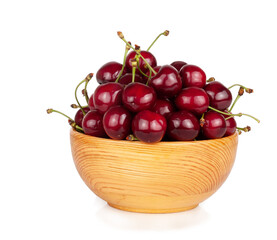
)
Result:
{"points": [[93, 125], [183, 126], [214, 125], [231, 124], [178, 65], [157, 69], [79, 116], [149, 57], [167, 81], [117, 122], [109, 72], [149, 127], [192, 99], [193, 76], [220, 96], [137, 97], [91, 103], [127, 78], [163, 107], [107, 95]]}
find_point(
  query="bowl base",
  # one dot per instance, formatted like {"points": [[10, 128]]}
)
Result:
{"points": [[141, 210]]}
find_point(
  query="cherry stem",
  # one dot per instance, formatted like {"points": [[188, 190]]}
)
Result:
{"points": [[248, 90], [73, 105], [230, 114], [211, 79], [127, 48], [245, 129], [137, 58], [149, 77], [137, 51], [165, 33], [202, 120], [131, 137], [86, 92], [237, 98]]}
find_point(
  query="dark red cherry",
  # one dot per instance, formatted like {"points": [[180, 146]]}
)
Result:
{"points": [[178, 65], [117, 122], [137, 97], [149, 57], [193, 76], [214, 126], [157, 69], [149, 127], [167, 82], [107, 95], [79, 116], [92, 124], [220, 96], [109, 72], [163, 107], [231, 124], [127, 78], [183, 126], [192, 99], [91, 103]]}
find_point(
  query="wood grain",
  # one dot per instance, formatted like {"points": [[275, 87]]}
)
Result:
{"points": [[154, 178]]}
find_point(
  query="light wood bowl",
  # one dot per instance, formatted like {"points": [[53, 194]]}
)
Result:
{"points": [[153, 178]]}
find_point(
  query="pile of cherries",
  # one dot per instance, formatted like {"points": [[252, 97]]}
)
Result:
{"points": [[140, 100]]}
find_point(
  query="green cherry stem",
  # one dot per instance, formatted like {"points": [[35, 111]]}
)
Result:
{"points": [[245, 129], [165, 33], [134, 66], [148, 65], [248, 90], [149, 77], [230, 114], [240, 93], [127, 48]]}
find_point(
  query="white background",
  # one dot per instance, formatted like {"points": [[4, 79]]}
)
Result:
{"points": [[47, 47]]}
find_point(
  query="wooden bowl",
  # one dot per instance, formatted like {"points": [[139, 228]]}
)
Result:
{"points": [[153, 178]]}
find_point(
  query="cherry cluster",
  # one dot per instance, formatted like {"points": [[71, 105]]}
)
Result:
{"points": [[140, 100]]}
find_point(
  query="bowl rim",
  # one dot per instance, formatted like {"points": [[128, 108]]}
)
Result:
{"points": [[74, 132]]}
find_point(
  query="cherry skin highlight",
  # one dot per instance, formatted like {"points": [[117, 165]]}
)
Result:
{"points": [[149, 127], [192, 99], [193, 76], [117, 122], [137, 97], [178, 65], [93, 124], [183, 126], [167, 82], [220, 96], [214, 126], [163, 107], [231, 124], [79, 116], [109, 72], [107, 95]]}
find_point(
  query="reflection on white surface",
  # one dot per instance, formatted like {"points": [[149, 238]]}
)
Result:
{"points": [[144, 221]]}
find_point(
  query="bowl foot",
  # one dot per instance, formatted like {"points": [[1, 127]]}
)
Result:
{"points": [[142, 210]]}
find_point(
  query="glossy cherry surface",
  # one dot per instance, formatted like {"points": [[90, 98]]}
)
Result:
{"points": [[107, 95], [137, 97], [214, 126], [220, 96], [148, 56], [93, 124], [91, 103], [163, 107], [117, 122], [178, 65], [157, 69], [79, 116], [193, 76], [167, 82], [109, 72], [149, 127], [183, 126], [231, 124], [192, 99], [127, 78]]}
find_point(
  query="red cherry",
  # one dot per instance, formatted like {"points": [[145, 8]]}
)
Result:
{"points": [[117, 122], [127, 78], [192, 99], [178, 65], [193, 76], [149, 127], [91, 103], [157, 69], [137, 97], [214, 125], [220, 96], [92, 124], [167, 82], [163, 107], [231, 124], [183, 126], [107, 95], [79, 116], [109, 72], [149, 57]]}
